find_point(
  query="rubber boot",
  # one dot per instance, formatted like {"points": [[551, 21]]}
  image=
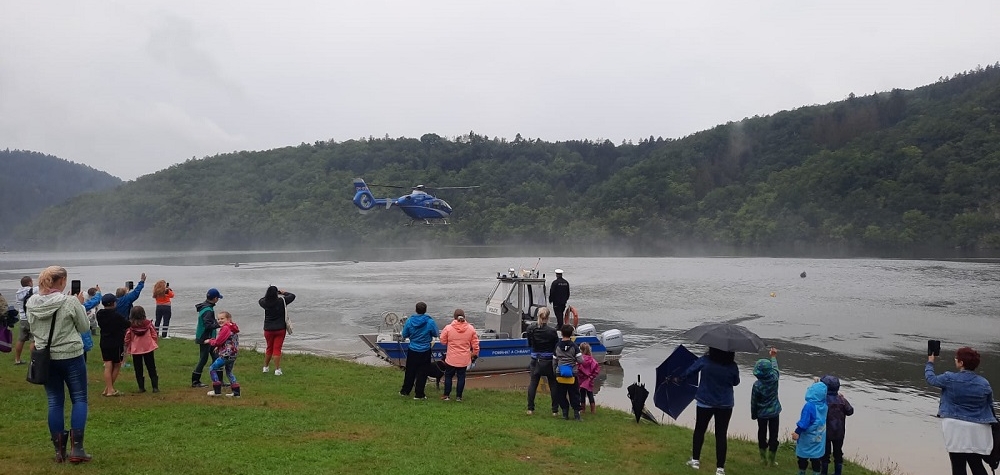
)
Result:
{"points": [[216, 389], [59, 440], [593, 408], [576, 416], [838, 469], [221, 376], [142, 383], [78, 455], [155, 381], [763, 456], [770, 458], [236, 390], [196, 380]]}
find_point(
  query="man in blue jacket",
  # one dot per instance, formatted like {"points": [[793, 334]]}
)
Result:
{"points": [[126, 298], [421, 330]]}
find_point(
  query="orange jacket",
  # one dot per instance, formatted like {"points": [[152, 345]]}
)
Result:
{"points": [[165, 300], [462, 343]]}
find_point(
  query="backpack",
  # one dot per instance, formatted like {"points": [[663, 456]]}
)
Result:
{"points": [[24, 303]]}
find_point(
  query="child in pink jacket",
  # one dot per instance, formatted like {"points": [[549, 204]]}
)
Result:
{"points": [[141, 341], [589, 369]]}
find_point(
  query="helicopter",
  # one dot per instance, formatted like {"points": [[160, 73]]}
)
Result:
{"points": [[419, 205]]}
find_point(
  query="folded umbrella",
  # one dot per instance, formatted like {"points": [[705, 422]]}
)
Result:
{"points": [[638, 393], [671, 395], [726, 337]]}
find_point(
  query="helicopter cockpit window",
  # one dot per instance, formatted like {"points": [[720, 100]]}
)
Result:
{"points": [[440, 204]]}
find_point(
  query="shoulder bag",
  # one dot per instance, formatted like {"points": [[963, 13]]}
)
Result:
{"points": [[38, 367], [288, 322]]}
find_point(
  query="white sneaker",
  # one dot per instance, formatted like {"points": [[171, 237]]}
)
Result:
{"points": [[278, 372], [266, 369], [213, 393], [720, 471], [694, 464]]}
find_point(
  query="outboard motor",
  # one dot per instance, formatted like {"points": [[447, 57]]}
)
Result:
{"points": [[612, 340], [586, 330]]}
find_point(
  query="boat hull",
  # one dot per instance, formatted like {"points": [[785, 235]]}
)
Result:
{"points": [[495, 355]]}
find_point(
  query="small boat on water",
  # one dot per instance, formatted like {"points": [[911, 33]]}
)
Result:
{"points": [[510, 308]]}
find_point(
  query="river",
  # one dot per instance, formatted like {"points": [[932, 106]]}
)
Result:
{"points": [[865, 320]]}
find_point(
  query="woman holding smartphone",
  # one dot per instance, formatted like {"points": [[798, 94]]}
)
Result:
{"points": [[966, 409], [162, 294]]}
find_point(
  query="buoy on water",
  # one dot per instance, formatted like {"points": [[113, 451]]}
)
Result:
{"points": [[773, 294], [803, 274]]}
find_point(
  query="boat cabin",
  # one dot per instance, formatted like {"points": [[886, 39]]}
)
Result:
{"points": [[515, 302]]}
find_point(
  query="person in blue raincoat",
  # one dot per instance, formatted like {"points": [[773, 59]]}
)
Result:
{"points": [[810, 430]]}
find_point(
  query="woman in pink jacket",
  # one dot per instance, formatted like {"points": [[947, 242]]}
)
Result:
{"points": [[140, 342], [462, 350]]}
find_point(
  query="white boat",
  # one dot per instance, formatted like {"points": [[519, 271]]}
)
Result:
{"points": [[510, 308]]}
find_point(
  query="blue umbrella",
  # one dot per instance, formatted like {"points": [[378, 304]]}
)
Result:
{"points": [[670, 396]]}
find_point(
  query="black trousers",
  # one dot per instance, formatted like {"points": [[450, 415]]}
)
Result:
{"points": [[415, 376], [568, 396], [722, 416], [766, 427], [162, 316], [542, 368], [834, 447], [205, 352], [150, 362], [960, 460], [803, 463], [559, 310]]}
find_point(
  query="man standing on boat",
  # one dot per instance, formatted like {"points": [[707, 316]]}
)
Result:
{"points": [[542, 339], [558, 295], [421, 330]]}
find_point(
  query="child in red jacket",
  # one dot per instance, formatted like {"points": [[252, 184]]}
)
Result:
{"points": [[227, 344]]}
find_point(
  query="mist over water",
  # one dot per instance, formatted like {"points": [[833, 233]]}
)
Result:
{"points": [[865, 320]]}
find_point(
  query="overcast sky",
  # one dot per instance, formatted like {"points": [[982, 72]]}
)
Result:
{"points": [[133, 87]]}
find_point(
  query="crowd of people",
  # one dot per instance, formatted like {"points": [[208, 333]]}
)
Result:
{"points": [[62, 324]]}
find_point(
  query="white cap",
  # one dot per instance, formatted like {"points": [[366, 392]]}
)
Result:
{"points": [[559, 271]]}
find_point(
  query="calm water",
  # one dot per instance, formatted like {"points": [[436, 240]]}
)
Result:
{"points": [[864, 320]]}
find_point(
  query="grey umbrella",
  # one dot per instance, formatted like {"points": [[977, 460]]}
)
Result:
{"points": [[726, 337]]}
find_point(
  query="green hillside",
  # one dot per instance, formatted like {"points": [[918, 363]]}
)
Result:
{"points": [[893, 172], [31, 182]]}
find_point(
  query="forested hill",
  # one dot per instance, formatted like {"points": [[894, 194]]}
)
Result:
{"points": [[915, 171], [31, 182]]}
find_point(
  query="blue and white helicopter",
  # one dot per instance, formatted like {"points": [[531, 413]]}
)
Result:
{"points": [[419, 205]]}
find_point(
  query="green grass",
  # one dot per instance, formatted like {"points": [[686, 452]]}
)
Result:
{"points": [[331, 416]]}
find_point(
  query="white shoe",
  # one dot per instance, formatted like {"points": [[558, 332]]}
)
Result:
{"points": [[720, 471], [266, 369], [278, 372], [213, 393], [694, 464]]}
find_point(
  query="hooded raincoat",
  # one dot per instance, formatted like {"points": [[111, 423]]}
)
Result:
{"points": [[462, 342], [71, 321], [141, 339], [589, 369], [764, 395], [811, 426], [421, 330]]}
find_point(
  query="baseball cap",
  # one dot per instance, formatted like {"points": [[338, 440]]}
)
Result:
{"points": [[213, 293], [108, 299]]}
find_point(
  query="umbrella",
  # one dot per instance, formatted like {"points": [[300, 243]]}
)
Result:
{"points": [[638, 393], [673, 397], [726, 337]]}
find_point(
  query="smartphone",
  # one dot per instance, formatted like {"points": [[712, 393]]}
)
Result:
{"points": [[129, 284], [934, 347], [74, 287]]}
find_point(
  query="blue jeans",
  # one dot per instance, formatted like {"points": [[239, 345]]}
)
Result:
{"points": [[219, 363], [452, 371], [71, 373]]}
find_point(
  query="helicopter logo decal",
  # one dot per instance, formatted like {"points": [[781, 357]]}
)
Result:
{"points": [[419, 205]]}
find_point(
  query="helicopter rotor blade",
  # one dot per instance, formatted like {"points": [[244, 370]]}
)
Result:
{"points": [[391, 186], [451, 187]]}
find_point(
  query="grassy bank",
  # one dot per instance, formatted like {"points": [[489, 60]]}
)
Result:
{"points": [[331, 416]]}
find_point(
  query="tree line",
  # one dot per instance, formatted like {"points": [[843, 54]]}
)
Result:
{"points": [[898, 171]]}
